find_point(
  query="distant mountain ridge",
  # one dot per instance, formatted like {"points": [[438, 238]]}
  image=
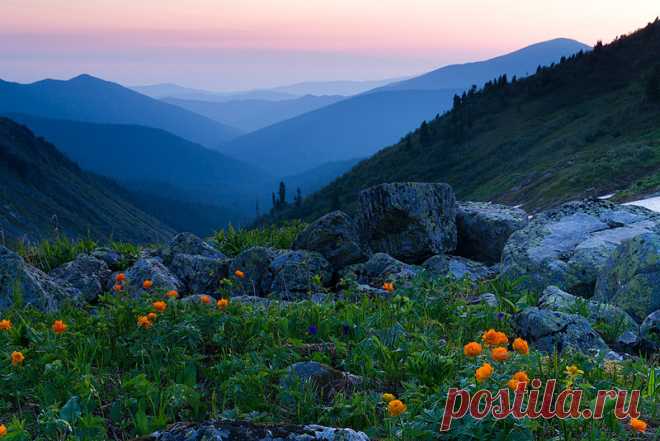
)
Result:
{"points": [[90, 99], [41, 191]]}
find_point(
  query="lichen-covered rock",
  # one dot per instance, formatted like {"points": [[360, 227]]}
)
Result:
{"points": [[111, 257], [254, 263], [631, 276], [150, 268], [483, 229], [380, 268], [458, 268], [650, 331], [226, 430], [20, 282], [612, 321], [567, 246], [335, 236], [199, 274], [188, 243], [294, 273], [409, 221], [86, 273], [326, 379], [547, 330]]}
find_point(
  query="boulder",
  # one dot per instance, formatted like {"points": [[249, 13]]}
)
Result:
{"points": [[294, 273], [409, 221], [458, 268], [567, 246], [326, 379], [150, 268], [335, 236], [631, 276], [483, 228], [611, 322], [23, 283], [226, 430], [255, 265], [547, 330], [86, 273], [650, 331], [199, 274], [380, 268], [188, 243], [111, 257]]}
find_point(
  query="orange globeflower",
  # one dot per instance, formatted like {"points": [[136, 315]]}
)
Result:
{"points": [[240, 274], [484, 372], [205, 299], [388, 286], [495, 338], [3, 430], [500, 354], [472, 349], [396, 407], [638, 425], [521, 346], [172, 294], [59, 327], [5, 325], [152, 316], [147, 284], [159, 306], [17, 358], [120, 277], [518, 377], [118, 287], [223, 303], [144, 322]]}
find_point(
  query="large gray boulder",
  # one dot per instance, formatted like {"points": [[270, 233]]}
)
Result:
{"points": [[150, 268], [188, 243], [567, 246], [85, 273], [336, 237], [650, 331], [112, 258], [23, 284], [409, 221], [226, 430], [610, 321], [380, 268], [293, 273], [630, 278], [547, 330], [199, 274], [483, 229], [255, 264], [458, 268]]}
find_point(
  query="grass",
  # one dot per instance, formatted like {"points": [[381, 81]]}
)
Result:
{"points": [[108, 378], [231, 241]]}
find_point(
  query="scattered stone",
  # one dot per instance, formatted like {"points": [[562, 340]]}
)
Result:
{"points": [[23, 283], [226, 430], [650, 331], [255, 264], [409, 221], [197, 273], [483, 229], [111, 257], [380, 268], [293, 273], [489, 299], [458, 268], [188, 243], [567, 246], [627, 342], [328, 380], [547, 330], [150, 268], [335, 236], [86, 273], [631, 276]]}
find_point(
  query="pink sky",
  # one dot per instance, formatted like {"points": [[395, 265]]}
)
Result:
{"points": [[222, 44]]}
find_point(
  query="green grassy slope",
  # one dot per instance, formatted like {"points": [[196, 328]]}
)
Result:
{"points": [[587, 126]]}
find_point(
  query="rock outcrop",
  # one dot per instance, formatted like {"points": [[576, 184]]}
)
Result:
{"points": [[86, 273], [650, 331], [294, 273], [458, 268], [380, 268], [254, 263], [151, 268], [409, 221]]}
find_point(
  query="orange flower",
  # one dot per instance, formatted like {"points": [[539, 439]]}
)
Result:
{"points": [[521, 346], [518, 377], [17, 358], [59, 327], [223, 303], [5, 325], [484, 372], [495, 338], [172, 294], [396, 407], [159, 306], [152, 316], [499, 354], [637, 425], [3, 430], [120, 277], [144, 322], [205, 299], [388, 286], [472, 349], [240, 274], [147, 284]]}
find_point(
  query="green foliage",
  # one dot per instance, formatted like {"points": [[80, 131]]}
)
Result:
{"points": [[232, 241]]}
